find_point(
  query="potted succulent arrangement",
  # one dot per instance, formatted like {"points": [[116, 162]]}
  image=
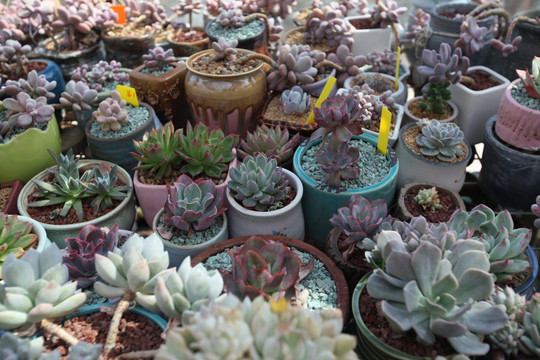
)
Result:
{"points": [[331, 168], [385, 62], [75, 193], [160, 82], [184, 39], [81, 100], [264, 199], [28, 127], [192, 219], [379, 83], [113, 128], [103, 77], [9, 192]]}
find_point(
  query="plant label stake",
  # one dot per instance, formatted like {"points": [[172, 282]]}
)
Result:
{"points": [[129, 94], [384, 130], [121, 11], [326, 91], [397, 69]]}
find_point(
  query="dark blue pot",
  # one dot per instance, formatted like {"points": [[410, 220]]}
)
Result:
{"points": [[527, 288]]}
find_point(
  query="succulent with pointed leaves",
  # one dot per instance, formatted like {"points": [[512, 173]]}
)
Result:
{"points": [[339, 165], [78, 96], [535, 208], [271, 141], [16, 348], [294, 101], [16, 237], [35, 85], [36, 287], [225, 49], [531, 83], [156, 151], [529, 342], [294, 67], [158, 58], [328, 27], [442, 140], [428, 198], [105, 188]]}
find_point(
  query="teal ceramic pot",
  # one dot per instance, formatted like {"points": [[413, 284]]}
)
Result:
{"points": [[319, 205], [123, 214], [26, 154], [53, 73]]}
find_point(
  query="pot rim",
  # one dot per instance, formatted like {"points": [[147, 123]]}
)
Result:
{"points": [[196, 56], [503, 82], [206, 39]]}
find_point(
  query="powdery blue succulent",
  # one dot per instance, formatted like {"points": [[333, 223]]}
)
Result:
{"points": [[294, 101], [530, 341], [13, 347], [441, 140]]}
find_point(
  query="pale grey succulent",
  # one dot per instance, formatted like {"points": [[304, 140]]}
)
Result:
{"points": [[34, 85], [78, 96], [294, 67], [85, 351], [225, 49], [13, 347], [111, 112], [231, 18], [157, 58], [441, 140], [294, 101], [328, 26], [530, 341]]}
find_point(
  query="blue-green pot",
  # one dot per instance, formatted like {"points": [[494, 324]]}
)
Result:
{"points": [[320, 204], [53, 73]]}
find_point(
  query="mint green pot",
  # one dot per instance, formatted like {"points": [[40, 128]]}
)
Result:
{"points": [[26, 154], [319, 205]]}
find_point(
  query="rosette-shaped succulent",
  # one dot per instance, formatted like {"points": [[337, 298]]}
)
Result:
{"points": [[156, 150], [104, 188], [471, 36], [231, 18], [157, 58], [258, 183], [441, 140], [146, 12], [27, 112], [294, 101], [187, 289], [278, 8], [428, 198], [535, 208], [386, 12], [273, 142], [78, 96], [206, 151], [443, 66], [384, 62], [343, 57], [339, 165], [35, 85], [192, 205], [505, 245], [16, 237], [36, 287], [16, 348], [111, 112], [530, 342], [225, 49], [81, 252], [76, 19], [101, 74], [328, 27], [263, 267], [437, 293], [294, 67]]}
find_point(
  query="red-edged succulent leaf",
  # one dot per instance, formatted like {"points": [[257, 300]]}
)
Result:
{"points": [[260, 277], [529, 84]]}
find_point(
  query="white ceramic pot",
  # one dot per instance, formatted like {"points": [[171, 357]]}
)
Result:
{"points": [[287, 221], [476, 107], [408, 117], [369, 40]]}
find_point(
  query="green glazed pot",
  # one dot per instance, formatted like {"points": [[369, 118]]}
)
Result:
{"points": [[26, 154]]}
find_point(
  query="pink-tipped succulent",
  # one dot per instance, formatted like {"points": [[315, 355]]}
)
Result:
{"points": [[263, 267], [472, 36], [225, 49], [81, 252], [111, 113], [531, 83], [158, 58], [273, 142]]}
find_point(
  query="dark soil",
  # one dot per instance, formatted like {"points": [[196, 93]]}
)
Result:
{"points": [[208, 65], [357, 257], [32, 65], [196, 35], [420, 112], [482, 80], [441, 215], [361, 24]]}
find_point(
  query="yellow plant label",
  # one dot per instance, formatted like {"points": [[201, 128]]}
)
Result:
{"points": [[396, 84], [326, 91], [121, 11], [384, 130], [128, 93]]}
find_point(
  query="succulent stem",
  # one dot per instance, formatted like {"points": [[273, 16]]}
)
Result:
{"points": [[266, 24], [121, 307], [324, 63], [258, 56], [523, 19], [59, 331]]}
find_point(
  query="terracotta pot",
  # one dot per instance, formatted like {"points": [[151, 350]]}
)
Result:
{"points": [[13, 188], [165, 93], [128, 49], [516, 124], [228, 102], [257, 43], [343, 302], [409, 117], [183, 49]]}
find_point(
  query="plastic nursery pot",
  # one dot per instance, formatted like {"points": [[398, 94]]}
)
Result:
{"points": [[379, 82], [319, 204], [368, 40], [182, 49], [343, 299], [10, 191], [26, 154], [177, 253], [257, 43], [123, 214], [287, 221], [410, 117]]}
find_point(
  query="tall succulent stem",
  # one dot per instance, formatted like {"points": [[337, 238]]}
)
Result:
{"points": [[323, 63], [59, 331], [121, 308]]}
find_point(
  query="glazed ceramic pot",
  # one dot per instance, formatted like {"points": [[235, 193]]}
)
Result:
{"points": [[183, 49], [416, 168], [12, 188], [367, 41], [380, 83], [287, 221], [165, 93], [317, 87], [128, 49], [409, 117], [53, 73], [26, 154], [476, 107], [227, 102], [516, 124], [177, 253], [257, 43], [123, 214]]}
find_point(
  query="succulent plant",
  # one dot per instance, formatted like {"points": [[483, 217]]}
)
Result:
{"points": [[437, 293], [187, 7], [78, 96], [192, 205], [187, 289], [505, 246], [471, 36], [294, 67], [328, 26], [441, 140], [81, 251], [84, 351], [529, 342], [232, 329], [294, 101], [104, 188], [271, 141], [142, 12], [27, 112], [531, 83], [359, 219], [225, 49], [428, 198], [16, 348], [111, 113], [386, 12], [13, 52], [535, 208], [206, 151], [231, 18], [339, 165], [258, 183], [16, 237], [35, 86], [100, 75], [36, 287], [263, 267], [74, 21], [157, 58], [156, 151], [344, 57], [382, 62]]}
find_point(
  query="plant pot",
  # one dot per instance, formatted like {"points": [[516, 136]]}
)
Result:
{"points": [[165, 93], [293, 123], [527, 287], [295, 36], [367, 41], [226, 102], [287, 221], [117, 149], [516, 124], [508, 176], [316, 88], [476, 107], [184, 49], [123, 214], [26, 154], [128, 49], [380, 83], [319, 205], [403, 213], [343, 300], [416, 168], [11, 191], [257, 43], [177, 253], [53, 73], [409, 117], [43, 241]]}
